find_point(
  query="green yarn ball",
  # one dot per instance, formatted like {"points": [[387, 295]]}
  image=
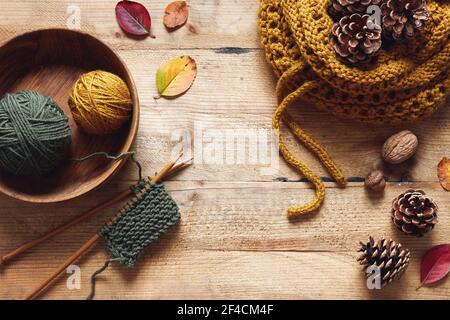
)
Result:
{"points": [[34, 133]]}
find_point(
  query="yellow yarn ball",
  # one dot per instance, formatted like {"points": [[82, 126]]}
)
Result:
{"points": [[100, 102]]}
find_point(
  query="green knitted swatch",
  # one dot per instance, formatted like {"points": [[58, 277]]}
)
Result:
{"points": [[149, 214]]}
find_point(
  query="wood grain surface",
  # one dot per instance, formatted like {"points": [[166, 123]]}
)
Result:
{"points": [[234, 240]]}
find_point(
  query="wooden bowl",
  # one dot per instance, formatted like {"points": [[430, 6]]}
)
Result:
{"points": [[50, 61]]}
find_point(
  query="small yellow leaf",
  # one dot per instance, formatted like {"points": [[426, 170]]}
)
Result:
{"points": [[176, 76], [444, 173]]}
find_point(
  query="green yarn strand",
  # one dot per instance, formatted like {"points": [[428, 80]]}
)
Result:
{"points": [[34, 133], [91, 294], [130, 154]]}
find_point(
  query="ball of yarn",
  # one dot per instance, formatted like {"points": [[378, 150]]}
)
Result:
{"points": [[100, 102], [34, 133]]}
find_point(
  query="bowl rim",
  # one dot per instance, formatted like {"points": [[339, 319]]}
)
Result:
{"points": [[115, 167]]}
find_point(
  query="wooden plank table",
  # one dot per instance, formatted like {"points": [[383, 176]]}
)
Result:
{"points": [[234, 240]]}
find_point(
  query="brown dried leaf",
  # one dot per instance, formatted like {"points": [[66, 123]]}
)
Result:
{"points": [[176, 15], [444, 173]]}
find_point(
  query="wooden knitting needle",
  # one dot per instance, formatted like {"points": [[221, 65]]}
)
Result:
{"points": [[170, 168], [84, 216], [84, 248]]}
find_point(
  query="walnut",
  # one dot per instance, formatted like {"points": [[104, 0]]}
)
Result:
{"points": [[400, 147]]}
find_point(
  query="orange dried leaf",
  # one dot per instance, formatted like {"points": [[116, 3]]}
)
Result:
{"points": [[444, 173], [176, 14]]}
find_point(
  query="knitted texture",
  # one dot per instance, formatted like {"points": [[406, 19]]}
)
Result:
{"points": [[34, 133], [406, 83], [149, 215]]}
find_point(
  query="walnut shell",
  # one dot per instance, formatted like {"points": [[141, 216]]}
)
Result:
{"points": [[400, 147]]}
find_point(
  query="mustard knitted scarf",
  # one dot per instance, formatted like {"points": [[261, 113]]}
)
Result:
{"points": [[406, 83]]}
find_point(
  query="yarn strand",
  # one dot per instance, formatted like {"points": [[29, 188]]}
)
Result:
{"points": [[91, 294], [317, 149], [129, 154], [304, 137], [286, 78], [309, 143]]}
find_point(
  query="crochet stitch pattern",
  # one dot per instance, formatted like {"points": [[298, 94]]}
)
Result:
{"points": [[408, 81], [149, 214]]}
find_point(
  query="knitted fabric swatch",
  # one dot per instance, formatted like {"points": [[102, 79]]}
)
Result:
{"points": [[408, 82], [149, 215]]}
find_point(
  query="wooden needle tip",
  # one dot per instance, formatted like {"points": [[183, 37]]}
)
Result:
{"points": [[179, 157]]}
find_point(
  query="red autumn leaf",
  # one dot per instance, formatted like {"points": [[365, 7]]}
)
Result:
{"points": [[133, 18], [176, 14], [435, 264], [444, 173]]}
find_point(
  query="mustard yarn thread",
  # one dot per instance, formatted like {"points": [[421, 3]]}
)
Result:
{"points": [[100, 102]]}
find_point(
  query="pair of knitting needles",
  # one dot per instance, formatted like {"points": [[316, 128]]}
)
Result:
{"points": [[168, 170]]}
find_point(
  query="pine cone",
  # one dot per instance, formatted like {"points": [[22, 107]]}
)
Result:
{"points": [[390, 257], [401, 18], [340, 8], [356, 38], [414, 213]]}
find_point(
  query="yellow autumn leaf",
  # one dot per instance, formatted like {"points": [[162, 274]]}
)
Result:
{"points": [[444, 173], [176, 76]]}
